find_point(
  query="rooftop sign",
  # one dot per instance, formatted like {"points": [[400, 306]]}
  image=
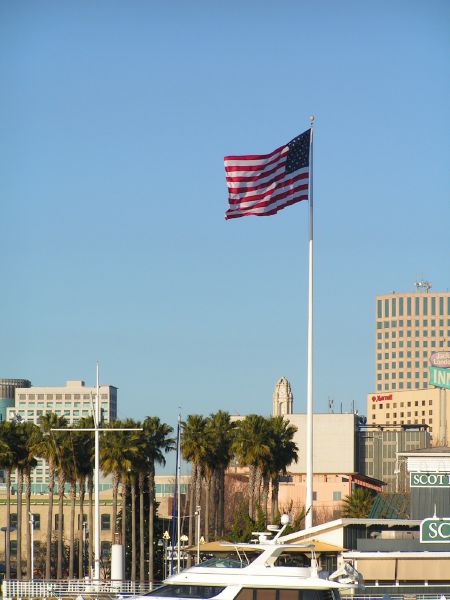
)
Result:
{"points": [[440, 359], [427, 480], [435, 531], [439, 377]]}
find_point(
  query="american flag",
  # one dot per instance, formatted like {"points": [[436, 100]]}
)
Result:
{"points": [[263, 184]]}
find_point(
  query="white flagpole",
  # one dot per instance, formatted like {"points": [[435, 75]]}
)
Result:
{"points": [[97, 484], [309, 394]]}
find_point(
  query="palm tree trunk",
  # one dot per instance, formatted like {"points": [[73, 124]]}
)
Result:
{"points": [[275, 489], [51, 489], [265, 495], [124, 522], [207, 498], [141, 527], [19, 523], [27, 476], [192, 503], [81, 531], [61, 483], [221, 502], [115, 493], [151, 516], [251, 491], [73, 495], [8, 522], [133, 528], [91, 521]]}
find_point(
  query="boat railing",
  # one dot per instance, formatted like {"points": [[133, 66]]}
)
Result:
{"points": [[72, 588]]}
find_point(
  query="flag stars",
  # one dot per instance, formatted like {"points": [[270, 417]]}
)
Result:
{"points": [[298, 155]]}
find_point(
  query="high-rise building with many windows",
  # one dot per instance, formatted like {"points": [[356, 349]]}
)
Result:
{"points": [[409, 327]]}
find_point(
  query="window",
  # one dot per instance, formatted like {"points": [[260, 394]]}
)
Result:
{"points": [[85, 520], [337, 496], [106, 521], [37, 521], [13, 520], [314, 496], [105, 550], [200, 591]]}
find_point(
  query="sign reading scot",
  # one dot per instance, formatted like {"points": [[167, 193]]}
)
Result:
{"points": [[435, 480], [435, 531]]}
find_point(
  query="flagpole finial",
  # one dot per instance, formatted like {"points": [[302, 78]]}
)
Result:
{"points": [[311, 118]]}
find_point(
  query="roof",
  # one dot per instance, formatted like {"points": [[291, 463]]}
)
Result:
{"points": [[436, 451], [340, 523], [216, 547], [390, 506]]}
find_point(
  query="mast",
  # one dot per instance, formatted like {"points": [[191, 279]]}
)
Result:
{"points": [[309, 394]]}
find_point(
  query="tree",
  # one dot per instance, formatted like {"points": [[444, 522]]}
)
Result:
{"points": [[30, 436], [194, 448], [284, 452], [7, 461], [119, 451], [85, 455], [47, 448], [221, 432], [156, 443], [358, 504], [253, 449]]}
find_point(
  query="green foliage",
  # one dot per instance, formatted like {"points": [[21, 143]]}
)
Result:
{"points": [[358, 504]]}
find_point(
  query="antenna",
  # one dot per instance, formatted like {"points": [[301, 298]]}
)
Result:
{"points": [[423, 285], [330, 405]]}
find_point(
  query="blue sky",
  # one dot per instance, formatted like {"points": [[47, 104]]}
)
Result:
{"points": [[115, 117]]}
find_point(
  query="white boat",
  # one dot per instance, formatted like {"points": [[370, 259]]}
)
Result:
{"points": [[266, 570]]}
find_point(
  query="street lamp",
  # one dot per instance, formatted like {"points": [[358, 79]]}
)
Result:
{"points": [[197, 514], [166, 538], [5, 529], [32, 544]]}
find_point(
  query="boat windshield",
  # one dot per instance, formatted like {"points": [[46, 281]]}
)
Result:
{"points": [[222, 563], [186, 591]]}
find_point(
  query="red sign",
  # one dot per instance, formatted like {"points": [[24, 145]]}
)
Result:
{"points": [[380, 398]]}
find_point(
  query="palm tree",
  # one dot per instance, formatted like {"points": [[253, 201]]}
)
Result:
{"points": [[7, 460], [118, 453], [85, 457], [358, 504], [194, 449], [284, 452], [21, 458], [252, 448], [156, 443], [47, 448], [30, 435], [221, 432]]}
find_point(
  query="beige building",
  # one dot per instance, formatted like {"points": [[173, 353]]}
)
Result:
{"points": [[429, 406], [409, 327], [73, 401]]}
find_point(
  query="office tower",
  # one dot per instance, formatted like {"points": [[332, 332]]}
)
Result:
{"points": [[409, 327]]}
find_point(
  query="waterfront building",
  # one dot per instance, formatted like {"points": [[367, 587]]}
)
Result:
{"points": [[379, 449]]}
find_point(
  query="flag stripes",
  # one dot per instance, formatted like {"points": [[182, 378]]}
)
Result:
{"points": [[263, 184]]}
